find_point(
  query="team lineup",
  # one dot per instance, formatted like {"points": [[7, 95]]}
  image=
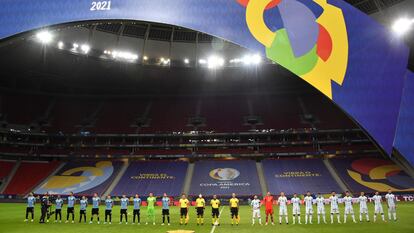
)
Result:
{"points": [[46, 204]]}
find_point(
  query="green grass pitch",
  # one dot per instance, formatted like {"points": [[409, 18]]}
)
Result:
{"points": [[12, 216]]}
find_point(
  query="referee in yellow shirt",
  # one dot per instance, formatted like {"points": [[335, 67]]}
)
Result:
{"points": [[184, 203], [200, 205], [215, 205], [234, 209]]}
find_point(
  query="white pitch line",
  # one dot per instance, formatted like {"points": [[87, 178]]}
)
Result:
{"points": [[214, 227]]}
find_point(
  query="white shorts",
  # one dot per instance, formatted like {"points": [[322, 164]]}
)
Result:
{"points": [[349, 210], [391, 209], [363, 210], [296, 210], [283, 210], [309, 210], [378, 209], [256, 213], [334, 210], [321, 210]]}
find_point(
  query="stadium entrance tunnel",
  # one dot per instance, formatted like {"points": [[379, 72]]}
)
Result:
{"points": [[329, 44]]}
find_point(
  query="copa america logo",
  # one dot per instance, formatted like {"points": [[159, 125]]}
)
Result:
{"points": [[224, 174]]}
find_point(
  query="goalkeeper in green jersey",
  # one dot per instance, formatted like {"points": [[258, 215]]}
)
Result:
{"points": [[151, 208]]}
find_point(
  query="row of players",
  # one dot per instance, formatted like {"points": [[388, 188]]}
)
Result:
{"points": [[200, 204]]}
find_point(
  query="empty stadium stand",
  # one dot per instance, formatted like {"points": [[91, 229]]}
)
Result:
{"points": [[163, 115], [371, 174], [298, 176], [29, 175], [157, 177], [5, 168], [81, 178], [223, 177]]}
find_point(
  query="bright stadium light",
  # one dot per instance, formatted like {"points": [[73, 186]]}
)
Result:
{"points": [[256, 59], [75, 46], [236, 60], [44, 37], [85, 48], [186, 60], [60, 45], [252, 59], [215, 62], [165, 61], [145, 58], [122, 55], [202, 61], [402, 26]]}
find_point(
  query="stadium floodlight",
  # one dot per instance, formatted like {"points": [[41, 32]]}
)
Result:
{"points": [[202, 61], [44, 37], [75, 46], [122, 55], [85, 48], [145, 58], [186, 60], [256, 59], [165, 61], [251, 59], [214, 62], [402, 26], [60, 45], [235, 60]]}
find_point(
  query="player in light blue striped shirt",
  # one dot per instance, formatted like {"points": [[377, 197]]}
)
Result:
{"points": [[124, 209], [83, 205], [96, 201], [58, 208], [31, 200], [71, 207], [109, 203], [165, 209], [137, 204]]}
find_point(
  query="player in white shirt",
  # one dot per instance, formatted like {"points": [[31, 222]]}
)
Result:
{"points": [[378, 206], [282, 202], [333, 199], [363, 208], [295, 200], [391, 205], [308, 207], [256, 210], [320, 207], [349, 209]]}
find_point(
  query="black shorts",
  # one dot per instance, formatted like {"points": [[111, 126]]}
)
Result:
{"points": [[215, 212], [71, 210], [108, 212], [200, 211], [165, 212], [183, 212], [136, 212], [234, 211], [95, 211], [82, 212], [123, 211], [58, 211], [30, 210]]}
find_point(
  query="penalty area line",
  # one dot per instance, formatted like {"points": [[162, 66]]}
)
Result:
{"points": [[214, 227]]}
